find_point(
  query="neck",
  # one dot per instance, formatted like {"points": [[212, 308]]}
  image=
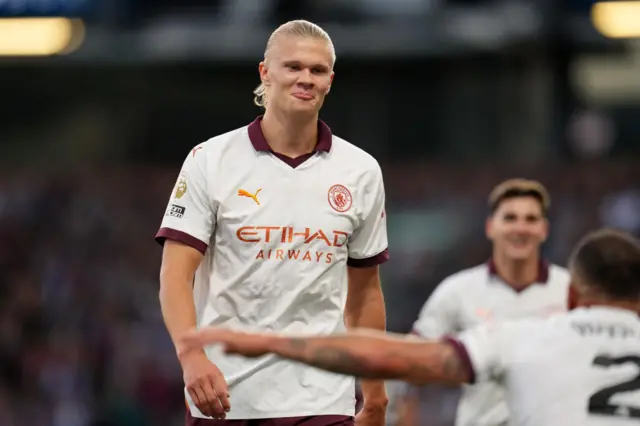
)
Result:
{"points": [[517, 273], [606, 303], [591, 299], [290, 136]]}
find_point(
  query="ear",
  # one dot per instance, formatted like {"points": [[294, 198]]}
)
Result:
{"points": [[333, 74], [488, 228], [264, 73], [546, 230]]}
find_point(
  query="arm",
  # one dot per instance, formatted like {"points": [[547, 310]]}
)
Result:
{"points": [[179, 263], [186, 228], [370, 354], [375, 355], [365, 308], [205, 383], [367, 250]]}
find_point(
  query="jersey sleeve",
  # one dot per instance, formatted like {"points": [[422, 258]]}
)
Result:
{"points": [[190, 214], [482, 349], [439, 315], [368, 244]]}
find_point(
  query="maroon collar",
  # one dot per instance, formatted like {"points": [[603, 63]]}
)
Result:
{"points": [[260, 143], [543, 270]]}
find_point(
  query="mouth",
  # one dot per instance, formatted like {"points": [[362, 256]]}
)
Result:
{"points": [[303, 96], [519, 241]]}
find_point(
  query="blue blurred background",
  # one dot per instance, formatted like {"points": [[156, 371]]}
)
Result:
{"points": [[100, 105]]}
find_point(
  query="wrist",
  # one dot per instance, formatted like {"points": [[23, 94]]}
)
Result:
{"points": [[374, 394], [375, 407], [185, 353], [378, 402]]}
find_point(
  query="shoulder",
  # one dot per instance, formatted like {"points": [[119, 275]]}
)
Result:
{"points": [[559, 276], [558, 272], [530, 327], [466, 277], [350, 155], [514, 330], [452, 287], [210, 153], [225, 141]]}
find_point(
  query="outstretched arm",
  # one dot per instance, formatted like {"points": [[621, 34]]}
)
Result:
{"points": [[361, 353], [378, 356]]}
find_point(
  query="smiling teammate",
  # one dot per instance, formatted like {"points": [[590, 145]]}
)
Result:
{"points": [[278, 225], [515, 282]]}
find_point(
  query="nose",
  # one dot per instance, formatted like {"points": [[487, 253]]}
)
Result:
{"points": [[522, 227], [305, 79]]}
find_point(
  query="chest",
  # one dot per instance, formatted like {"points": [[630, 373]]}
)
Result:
{"points": [[496, 302], [271, 204]]}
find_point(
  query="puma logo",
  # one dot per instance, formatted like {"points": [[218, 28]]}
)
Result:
{"points": [[254, 197]]}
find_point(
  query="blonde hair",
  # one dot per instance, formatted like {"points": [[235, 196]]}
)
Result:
{"points": [[297, 28]]}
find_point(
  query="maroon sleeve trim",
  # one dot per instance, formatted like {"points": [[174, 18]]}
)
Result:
{"points": [[378, 259], [182, 237], [462, 352]]}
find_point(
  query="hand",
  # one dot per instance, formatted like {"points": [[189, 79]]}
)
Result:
{"points": [[372, 415], [233, 342], [206, 384]]}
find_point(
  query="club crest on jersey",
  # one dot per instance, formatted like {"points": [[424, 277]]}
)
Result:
{"points": [[181, 188], [340, 198]]}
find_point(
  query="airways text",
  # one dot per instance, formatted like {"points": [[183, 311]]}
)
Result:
{"points": [[288, 243]]}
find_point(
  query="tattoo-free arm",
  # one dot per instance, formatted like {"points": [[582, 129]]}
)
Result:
{"points": [[376, 355], [179, 263], [365, 308]]}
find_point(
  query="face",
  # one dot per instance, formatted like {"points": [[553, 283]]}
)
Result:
{"points": [[517, 228], [298, 74]]}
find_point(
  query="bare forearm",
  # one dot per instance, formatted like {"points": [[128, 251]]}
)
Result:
{"points": [[178, 309], [179, 263], [369, 312], [375, 355]]}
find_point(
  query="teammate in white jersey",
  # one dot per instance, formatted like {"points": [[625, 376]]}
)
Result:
{"points": [[580, 368], [278, 225], [516, 282]]}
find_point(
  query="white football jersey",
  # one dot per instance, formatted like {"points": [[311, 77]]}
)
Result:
{"points": [[576, 369], [277, 235], [476, 296]]}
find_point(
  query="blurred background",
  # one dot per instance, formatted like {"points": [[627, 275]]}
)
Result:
{"points": [[100, 101]]}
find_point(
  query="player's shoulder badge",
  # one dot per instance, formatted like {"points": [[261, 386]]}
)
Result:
{"points": [[181, 187], [340, 198]]}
